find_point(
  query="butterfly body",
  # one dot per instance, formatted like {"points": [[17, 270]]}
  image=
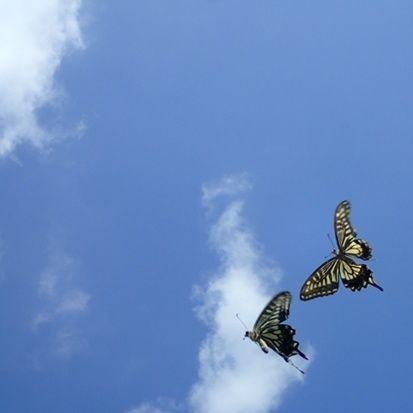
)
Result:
{"points": [[325, 279], [255, 337], [269, 333]]}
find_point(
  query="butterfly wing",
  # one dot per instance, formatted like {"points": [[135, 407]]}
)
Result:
{"points": [[280, 338], [356, 276], [323, 281], [275, 312], [346, 235]]}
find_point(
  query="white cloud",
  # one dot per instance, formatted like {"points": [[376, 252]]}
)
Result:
{"points": [[234, 374], [34, 38], [146, 408], [229, 185], [61, 302], [162, 405], [73, 301], [66, 341]]}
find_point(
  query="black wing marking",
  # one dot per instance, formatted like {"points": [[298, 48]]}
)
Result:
{"points": [[275, 312], [346, 235], [323, 281]]}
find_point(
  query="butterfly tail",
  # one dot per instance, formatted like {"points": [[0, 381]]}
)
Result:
{"points": [[300, 353], [373, 283]]}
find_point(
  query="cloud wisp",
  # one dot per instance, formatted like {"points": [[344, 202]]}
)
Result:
{"points": [[228, 186], [34, 38], [62, 302], [146, 408], [235, 375]]}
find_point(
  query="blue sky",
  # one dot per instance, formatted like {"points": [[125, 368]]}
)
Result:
{"points": [[167, 164]]}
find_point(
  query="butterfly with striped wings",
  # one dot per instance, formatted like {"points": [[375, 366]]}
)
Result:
{"points": [[325, 279], [269, 333]]}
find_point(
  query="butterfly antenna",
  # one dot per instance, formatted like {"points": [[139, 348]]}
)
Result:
{"points": [[236, 315], [332, 244], [290, 362], [331, 241]]}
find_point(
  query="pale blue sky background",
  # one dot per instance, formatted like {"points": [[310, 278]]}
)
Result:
{"points": [[104, 236]]}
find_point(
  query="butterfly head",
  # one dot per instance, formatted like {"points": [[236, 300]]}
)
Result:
{"points": [[333, 252], [252, 335]]}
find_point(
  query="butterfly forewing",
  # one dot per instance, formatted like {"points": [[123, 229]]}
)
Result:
{"points": [[275, 312], [323, 281], [346, 235], [343, 229]]}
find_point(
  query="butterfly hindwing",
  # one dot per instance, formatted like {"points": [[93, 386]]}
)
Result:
{"points": [[281, 340], [357, 276]]}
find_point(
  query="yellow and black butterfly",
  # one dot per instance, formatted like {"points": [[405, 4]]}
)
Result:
{"points": [[270, 334], [325, 279]]}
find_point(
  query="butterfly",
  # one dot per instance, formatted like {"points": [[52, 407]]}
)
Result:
{"points": [[270, 334], [325, 279]]}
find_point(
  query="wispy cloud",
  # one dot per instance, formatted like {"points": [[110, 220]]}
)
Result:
{"points": [[162, 405], [146, 408], [34, 38], [235, 375], [228, 186], [61, 303]]}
